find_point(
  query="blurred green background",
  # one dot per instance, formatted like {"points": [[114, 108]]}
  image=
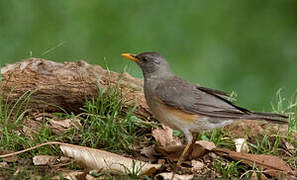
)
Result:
{"points": [[245, 46]]}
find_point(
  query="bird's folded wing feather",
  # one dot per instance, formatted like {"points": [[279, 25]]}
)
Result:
{"points": [[194, 99], [213, 91]]}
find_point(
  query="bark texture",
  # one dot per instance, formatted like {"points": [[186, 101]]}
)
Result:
{"points": [[67, 85]]}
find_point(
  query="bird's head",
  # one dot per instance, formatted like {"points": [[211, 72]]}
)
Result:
{"points": [[151, 63]]}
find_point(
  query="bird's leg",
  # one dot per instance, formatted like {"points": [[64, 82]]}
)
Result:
{"points": [[181, 157], [195, 135], [189, 140]]}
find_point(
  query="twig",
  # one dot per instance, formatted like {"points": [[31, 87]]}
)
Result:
{"points": [[29, 149]]}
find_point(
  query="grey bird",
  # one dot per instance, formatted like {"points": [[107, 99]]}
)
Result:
{"points": [[188, 107]]}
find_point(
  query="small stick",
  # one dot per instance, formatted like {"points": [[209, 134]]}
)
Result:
{"points": [[29, 149]]}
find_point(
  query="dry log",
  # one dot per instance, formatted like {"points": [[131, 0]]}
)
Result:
{"points": [[67, 85]]}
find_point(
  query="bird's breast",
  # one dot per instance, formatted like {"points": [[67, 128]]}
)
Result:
{"points": [[171, 116]]}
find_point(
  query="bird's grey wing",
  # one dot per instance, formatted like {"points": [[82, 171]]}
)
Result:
{"points": [[213, 91], [187, 97]]}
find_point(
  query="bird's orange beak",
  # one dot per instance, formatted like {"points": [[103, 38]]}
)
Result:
{"points": [[130, 57]]}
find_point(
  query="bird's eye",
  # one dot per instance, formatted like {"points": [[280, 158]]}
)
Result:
{"points": [[144, 58]]}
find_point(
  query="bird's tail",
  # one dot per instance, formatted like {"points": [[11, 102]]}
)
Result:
{"points": [[274, 117]]}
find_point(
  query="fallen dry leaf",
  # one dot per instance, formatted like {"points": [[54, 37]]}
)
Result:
{"points": [[167, 144], [44, 160], [208, 145], [273, 165], [66, 124], [149, 152], [99, 159], [171, 147], [173, 152], [164, 137], [168, 176], [201, 147], [197, 165]]}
